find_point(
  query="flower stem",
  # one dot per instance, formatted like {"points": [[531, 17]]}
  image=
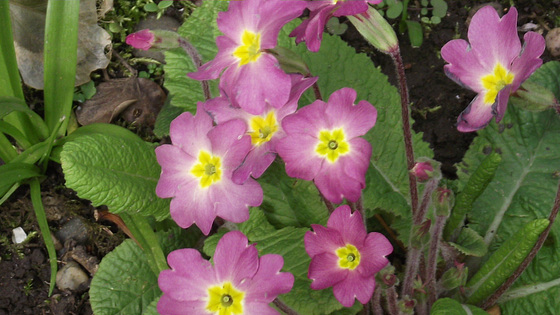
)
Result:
{"points": [[376, 301], [197, 60], [392, 301], [432, 259], [432, 184], [411, 270], [317, 91], [405, 115], [284, 307], [505, 286]]}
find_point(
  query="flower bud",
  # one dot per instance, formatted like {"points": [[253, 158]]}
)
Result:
{"points": [[387, 276], [454, 277], [406, 305], [534, 97], [153, 39], [443, 200], [289, 61], [421, 234], [376, 30]]}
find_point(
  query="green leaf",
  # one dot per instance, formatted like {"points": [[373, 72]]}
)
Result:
{"points": [[10, 104], [440, 8], [61, 44], [470, 243], [201, 33], [116, 172], [289, 201], [504, 261], [448, 306], [15, 173], [548, 75], [288, 242], [415, 33], [125, 284], [394, 9], [150, 7], [166, 115], [387, 187], [164, 4], [10, 81]]}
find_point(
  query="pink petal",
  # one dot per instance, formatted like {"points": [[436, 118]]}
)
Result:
{"points": [[174, 171], [373, 252], [252, 85], [476, 116], [529, 60], [335, 185], [231, 201], [169, 306], [256, 162], [322, 240], [352, 8], [354, 287], [349, 225], [259, 309], [325, 272], [193, 206], [234, 259], [494, 39], [221, 110], [308, 120], [212, 69], [356, 164], [229, 142], [188, 132], [464, 67], [189, 278], [298, 152], [312, 29], [143, 39], [269, 282]]}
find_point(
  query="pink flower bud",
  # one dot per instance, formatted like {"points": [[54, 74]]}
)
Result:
{"points": [[143, 39], [423, 171]]}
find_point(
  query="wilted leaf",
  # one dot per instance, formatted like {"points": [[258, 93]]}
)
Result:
{"points": [[28, 23], [135, 99]]}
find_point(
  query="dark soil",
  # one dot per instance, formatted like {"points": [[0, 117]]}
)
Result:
{"points": [[437, 101]]}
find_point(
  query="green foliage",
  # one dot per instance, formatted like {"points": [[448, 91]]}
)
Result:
{"points": [[125, 283], [470, 243], [116, 172], [504, 261], [448, 306], [475, 186]]}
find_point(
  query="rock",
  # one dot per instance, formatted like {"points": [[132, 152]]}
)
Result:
{"points": [[553, 41], [72, 277], [18, 235], [74, 229]]}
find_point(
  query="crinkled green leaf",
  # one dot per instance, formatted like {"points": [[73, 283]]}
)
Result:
{"points": [[166, 115], [548, 76], [470, 243], [338, 66], [287, 242], [290, 201], [523, 190], [125, 284], [116, 172], [200, 29]]}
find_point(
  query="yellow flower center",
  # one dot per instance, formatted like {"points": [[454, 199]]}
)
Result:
{"points": [[250, 50], [263, 128], [332, 144], [495, 82], [349, 257], [208, 169], [225, 299]]}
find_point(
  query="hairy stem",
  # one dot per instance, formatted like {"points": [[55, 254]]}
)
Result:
{"points": [[376, 301], [317, 91], [392, 301], [405, 115], [197, 60], [503, 288], [426, 199], [432, 259], [284, 307], [411, 270]]}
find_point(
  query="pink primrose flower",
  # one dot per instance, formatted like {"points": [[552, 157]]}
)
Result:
{"points": [[310, 30], [344, 256], [196, 171], [239, 282], [143, 39], [265, 129], [493, 63], [252, 77], [323, 144]]}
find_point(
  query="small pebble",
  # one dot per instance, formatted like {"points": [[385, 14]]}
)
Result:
{"points": [[18, 235], [71, 277], [74, 229], [553, 41]]}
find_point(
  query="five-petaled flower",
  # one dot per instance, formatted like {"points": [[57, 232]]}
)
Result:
{"points": [[196, 171], [494, 64], [344, 256], [323, 144], [252, 77], [311, 30], [265, 129], [239, 282]]}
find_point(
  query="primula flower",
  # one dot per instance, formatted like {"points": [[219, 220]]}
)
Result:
{"points": [[252, 77], [239, 282], [143, 39], [322, 144], [265, 129], [196, 171], [311, 29], [494, 64], [344, 256]]}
